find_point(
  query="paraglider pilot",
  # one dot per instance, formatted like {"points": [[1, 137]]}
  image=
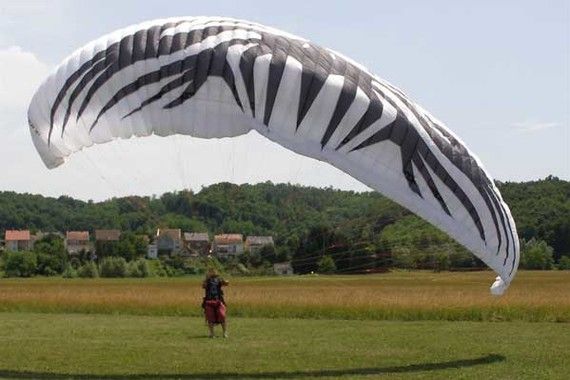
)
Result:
{"points": [[213, 302]]}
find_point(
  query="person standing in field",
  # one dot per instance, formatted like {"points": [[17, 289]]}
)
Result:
{"points": [[214, 304]]}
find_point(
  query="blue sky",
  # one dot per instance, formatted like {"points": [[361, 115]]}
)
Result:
{"points": [[496, 72]]}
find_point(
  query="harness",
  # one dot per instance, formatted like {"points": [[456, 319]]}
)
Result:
{"points": [[214, 290]]}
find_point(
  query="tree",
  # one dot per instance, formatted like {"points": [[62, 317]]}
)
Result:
{"points": [[105, 248], [326, 265], [402, 257], [440, 261], [51, 255], [460, 257], [564, 263], [130, 246], [306, 223], [536, 254], [20, 264], [353, 258], [267, 253], [88, 270], [541, 210], [113, 267], [319, 241]]}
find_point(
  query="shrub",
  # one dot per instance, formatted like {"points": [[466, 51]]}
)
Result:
{"points": [[536, 254], [88, 270], [242, 269], [113, 267], [266, 269], [326, 265], [138, 268], [156, 268], [20, 264], [75, 262], [564, 263], [69, 272]]}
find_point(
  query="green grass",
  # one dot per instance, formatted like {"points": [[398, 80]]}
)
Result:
{"points": [[138, 347], [395, 325]]}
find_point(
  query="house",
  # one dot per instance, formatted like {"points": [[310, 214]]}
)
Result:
{"points": [[107, 235], [197, 243], [283, 269], [152, 251], [255, 243], [168, 241], [227, 245], [18, 240], [77, 241], [41, 234], [106, 241]]}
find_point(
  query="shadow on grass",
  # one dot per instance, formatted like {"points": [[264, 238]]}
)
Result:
{"points": [[462, 363]]}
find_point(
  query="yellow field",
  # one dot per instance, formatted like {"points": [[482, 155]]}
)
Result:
{"points": [[533, 296]]}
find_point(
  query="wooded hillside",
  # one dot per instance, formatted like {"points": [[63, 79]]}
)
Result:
{"points": [[298, 217]]}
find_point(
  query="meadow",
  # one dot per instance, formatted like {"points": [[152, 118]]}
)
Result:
{"points": [[395, 325], [536, 296]]}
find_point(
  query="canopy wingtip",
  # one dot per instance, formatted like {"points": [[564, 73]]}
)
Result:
{"points": [[499, 286]]}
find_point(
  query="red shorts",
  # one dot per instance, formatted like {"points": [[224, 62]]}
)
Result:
{"points": [[215, 311]]}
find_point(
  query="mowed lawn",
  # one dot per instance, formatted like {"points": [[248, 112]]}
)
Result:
{"points": [[409, 296], [141, 347]]}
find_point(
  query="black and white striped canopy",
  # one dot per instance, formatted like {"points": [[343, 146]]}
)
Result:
{"points": [[218, 77]]}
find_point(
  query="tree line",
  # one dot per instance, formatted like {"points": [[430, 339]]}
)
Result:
{"points": [[324, 230]]}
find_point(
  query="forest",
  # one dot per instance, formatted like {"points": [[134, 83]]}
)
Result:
{"points": [[325, 230]]}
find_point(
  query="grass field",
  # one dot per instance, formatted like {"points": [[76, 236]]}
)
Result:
{"points": [[410, 296], [135, 347], [396, 325]]}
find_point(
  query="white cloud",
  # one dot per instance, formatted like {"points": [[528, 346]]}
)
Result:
{"points": [[22, 73], [533, 126]]}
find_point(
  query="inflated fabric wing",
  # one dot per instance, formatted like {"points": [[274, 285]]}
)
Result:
{"points": [[218, 77]]}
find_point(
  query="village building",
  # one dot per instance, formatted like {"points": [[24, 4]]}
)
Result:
{"points": [[255, 243], [227, 245], [283, 269], [168, 241], [107, 235], [197, 243], [18, 240], [77, 241], [152, 251], [105, 241], [41, 234]]}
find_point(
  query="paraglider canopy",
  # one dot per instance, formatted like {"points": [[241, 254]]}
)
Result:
{"points": [[218, 77]]}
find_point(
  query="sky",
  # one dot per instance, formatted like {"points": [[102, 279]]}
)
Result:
{"points": [[497, 73]]}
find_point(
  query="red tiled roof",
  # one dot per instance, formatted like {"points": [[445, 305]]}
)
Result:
{"points": [[175, 234], [107, 235], [259, 240], [228, 239], [77, 235], [16, 235], [196, 236]]}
